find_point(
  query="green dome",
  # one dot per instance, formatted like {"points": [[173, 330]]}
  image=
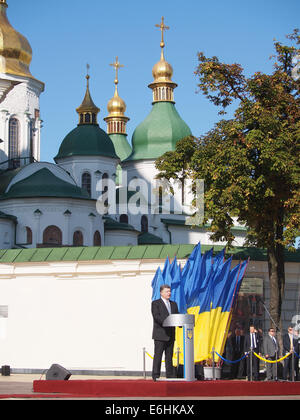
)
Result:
{"points": [[158, 133], [44, 183], [121, 145], [87, 140]]}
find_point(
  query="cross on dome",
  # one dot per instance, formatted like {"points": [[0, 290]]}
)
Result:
{"points": [[163, 28], [117, 66]]}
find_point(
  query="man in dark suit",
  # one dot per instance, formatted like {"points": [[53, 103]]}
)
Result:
{"points": [[237, 341], [290, 345], [252, 341], [163, 337], [271, 351]]}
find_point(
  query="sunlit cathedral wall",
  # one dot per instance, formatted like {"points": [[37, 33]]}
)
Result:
{"points": [[19, 99], [20, 128]]}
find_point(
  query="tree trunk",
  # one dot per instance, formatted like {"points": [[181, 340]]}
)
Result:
{"points": [[277, 284]]}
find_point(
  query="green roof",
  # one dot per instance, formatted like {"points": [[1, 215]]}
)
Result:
{"points": [[158, 133], [129, 253], [149, 239], [87, 140], [44, 183], [184, 222], [111, 224], [121, 145], [6, 177]]}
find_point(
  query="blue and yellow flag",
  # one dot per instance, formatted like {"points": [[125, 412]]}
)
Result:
{"points": [[208, 288]]}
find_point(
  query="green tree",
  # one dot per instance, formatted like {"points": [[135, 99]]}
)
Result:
{"points": [[251, 162]]}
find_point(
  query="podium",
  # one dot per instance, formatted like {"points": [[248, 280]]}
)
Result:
{"points": [[187, 322]]}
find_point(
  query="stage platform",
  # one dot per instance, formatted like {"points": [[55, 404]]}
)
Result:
{"points": [[111, 388]]}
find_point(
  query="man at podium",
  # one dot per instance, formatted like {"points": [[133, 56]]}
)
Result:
{"points": [[164, 337]]}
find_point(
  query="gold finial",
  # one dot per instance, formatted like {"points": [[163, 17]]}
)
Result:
{"points": [[116, 120], [117, 66], [162, 72], [163, 28], [87, 76]]}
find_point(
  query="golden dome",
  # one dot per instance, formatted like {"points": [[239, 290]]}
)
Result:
{"points": [[162, 71], [116, 119], [116, 106], [15, 50]]}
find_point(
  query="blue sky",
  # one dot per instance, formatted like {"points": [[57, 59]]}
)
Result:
{"points": [[66, 35]]}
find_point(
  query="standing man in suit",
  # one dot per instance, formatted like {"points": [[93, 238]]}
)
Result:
{"points": [[290, 345], [271, 350], [252, 341], [238, 348], [164, 337]]}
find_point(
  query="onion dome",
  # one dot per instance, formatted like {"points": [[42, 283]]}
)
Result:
{"points": [[15, 50], [162, 86], [163, 127], [116, 106], [87, 139], [116, 120]]}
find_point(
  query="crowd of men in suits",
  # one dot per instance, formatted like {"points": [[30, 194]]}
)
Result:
{"points": [[239, 344]]}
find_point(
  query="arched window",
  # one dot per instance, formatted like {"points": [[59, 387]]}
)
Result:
{"points": [[14, 143], [124, 218], [87, 118], [28, 236], [144, 224], [97, 238], [52, 236], [86, 182], [78, 238]]}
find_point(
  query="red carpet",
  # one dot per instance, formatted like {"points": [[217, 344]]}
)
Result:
{"points": [[148, 388]]}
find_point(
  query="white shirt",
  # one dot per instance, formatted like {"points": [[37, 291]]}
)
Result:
{"points": [[253, 340]]}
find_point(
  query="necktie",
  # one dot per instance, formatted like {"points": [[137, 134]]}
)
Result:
{"points": [[253, 343], [168, 306]]}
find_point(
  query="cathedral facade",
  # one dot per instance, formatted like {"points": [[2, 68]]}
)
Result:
{"points": [[102, 190]]}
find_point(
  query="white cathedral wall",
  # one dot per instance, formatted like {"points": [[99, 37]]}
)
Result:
{"points": [[92, 315], [52, 213], [7, 232], [95, 166], [21, 102], [120, 237], [192, 235]]}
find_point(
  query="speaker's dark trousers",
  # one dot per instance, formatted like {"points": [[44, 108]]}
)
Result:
{"points": [[160, 348]]}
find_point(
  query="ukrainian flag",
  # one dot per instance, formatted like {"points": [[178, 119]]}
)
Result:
{"points": [[208, 289]]}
